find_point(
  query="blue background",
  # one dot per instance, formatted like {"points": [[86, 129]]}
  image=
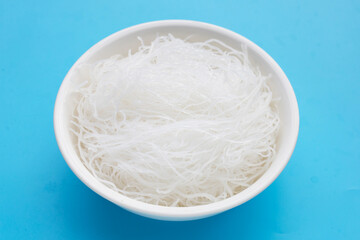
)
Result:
{"points": [[315, 42]]}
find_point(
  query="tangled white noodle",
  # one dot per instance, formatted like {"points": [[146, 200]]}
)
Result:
{"points": [[177, 123]]}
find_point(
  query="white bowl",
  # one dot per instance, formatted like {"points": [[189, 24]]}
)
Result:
{"points": [[126, 39]]}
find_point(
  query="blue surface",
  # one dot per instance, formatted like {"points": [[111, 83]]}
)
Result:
{"points": [[315, 42]]}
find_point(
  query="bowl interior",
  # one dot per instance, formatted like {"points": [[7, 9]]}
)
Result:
{"points": [[120, 43]]}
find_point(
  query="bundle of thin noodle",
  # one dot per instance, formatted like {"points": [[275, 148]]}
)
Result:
{"points": [[177, 123]]}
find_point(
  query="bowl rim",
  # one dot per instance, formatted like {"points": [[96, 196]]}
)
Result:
{"points": [[178, 213]]}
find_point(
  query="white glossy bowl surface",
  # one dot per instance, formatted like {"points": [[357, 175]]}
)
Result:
{"points": [[120, 43]]}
